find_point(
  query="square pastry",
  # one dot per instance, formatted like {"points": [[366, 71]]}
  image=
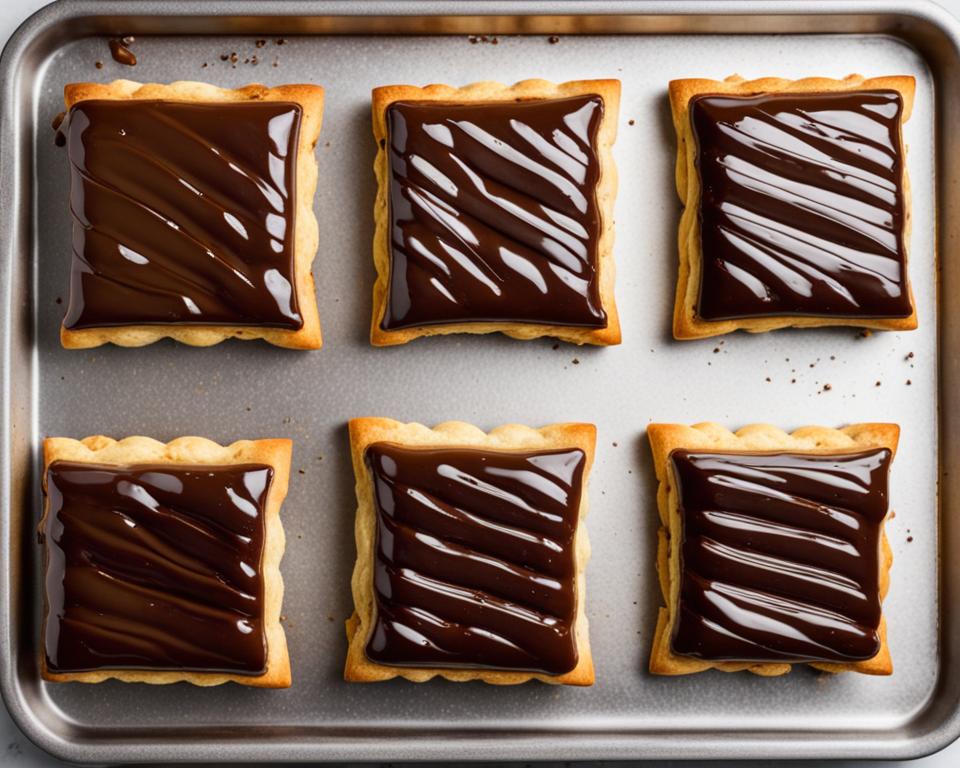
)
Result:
{"points": [[162, 561], [471, 550], [192, 210], [495, 211], [796, 204], [772, 550]]}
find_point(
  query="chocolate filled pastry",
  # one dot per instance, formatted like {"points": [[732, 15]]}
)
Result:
{"points": [[471, 550], [192, 210], [772, 549], [796, 204], [161, 561], [495, 211]]}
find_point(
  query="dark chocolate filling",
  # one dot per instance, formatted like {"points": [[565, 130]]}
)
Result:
{"points": [[475, 564], [802, 206], [493, 213], [183, 213], [155, 567], [780, 555]]}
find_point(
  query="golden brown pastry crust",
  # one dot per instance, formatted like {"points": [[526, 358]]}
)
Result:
{"points": [[276, 453], [306, 236], [686, 323], [665, 438], [510, 437], [526, 90]]}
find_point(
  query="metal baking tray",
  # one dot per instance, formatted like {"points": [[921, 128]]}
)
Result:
{"points": [[240, 390]]}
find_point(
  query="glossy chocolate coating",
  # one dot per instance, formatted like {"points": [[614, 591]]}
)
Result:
{"points": [[802, 205], [493, 213], [182, 213], [155, 567], [475, 563], [780, 555]]}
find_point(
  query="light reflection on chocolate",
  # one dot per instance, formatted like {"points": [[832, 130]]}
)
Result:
{"points": [[155, 567], [802, 205], [493, 212], [780, 555], [475, 559]]}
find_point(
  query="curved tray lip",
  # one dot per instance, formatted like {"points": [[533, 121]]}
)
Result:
{"points": [[72, 745]]}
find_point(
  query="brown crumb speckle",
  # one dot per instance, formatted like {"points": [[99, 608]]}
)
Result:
{"points": [[98, 64], [866, 333], [877, 384], [553, 39], [909, 382], [631, 121]]}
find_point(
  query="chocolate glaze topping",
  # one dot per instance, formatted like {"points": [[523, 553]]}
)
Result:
{"points": [[475, 563], [155, 567], [493, 213], [182, 213], [802, 208], [780, 555]]}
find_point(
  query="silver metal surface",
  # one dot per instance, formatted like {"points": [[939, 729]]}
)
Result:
{"points": [[251, 390]]}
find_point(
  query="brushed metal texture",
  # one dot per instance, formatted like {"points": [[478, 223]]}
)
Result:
{"points": [[251, 390]]}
